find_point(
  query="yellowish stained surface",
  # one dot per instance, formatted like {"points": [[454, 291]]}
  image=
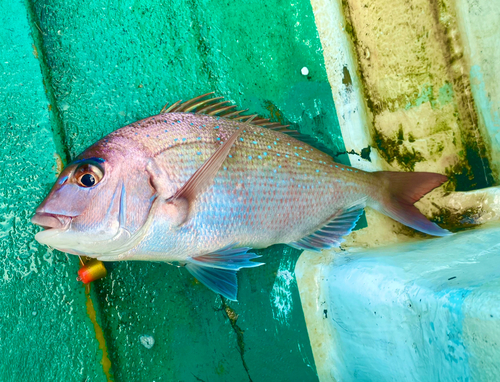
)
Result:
{"points": [[105, 361]]}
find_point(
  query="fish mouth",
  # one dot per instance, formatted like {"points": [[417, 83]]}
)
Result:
{"points": [[50, 221]]}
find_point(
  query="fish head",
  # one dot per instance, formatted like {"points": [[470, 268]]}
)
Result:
{"points": [[99, 201]]}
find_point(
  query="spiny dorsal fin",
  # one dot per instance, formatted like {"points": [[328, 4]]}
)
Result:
{"points": [[216, 106]]}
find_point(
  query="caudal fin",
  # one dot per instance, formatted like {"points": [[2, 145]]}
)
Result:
{"points": [[400, 190]]}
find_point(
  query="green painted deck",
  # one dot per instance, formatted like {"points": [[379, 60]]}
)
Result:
{"points": [[71, 72]]}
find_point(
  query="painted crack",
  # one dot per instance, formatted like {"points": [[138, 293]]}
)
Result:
{"points": [[364, 154]]}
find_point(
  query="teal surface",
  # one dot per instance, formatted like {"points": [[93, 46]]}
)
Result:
{"points": [[106, 64], [44, 328]]}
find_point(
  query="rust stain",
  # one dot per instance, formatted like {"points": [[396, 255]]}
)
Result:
{"points": [[59, 164], [35, 51]]}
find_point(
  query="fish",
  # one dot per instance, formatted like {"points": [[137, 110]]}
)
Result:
{"points": [[202, 184]]}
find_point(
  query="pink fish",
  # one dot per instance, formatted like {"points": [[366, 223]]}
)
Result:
{"points": [[200, 185]]}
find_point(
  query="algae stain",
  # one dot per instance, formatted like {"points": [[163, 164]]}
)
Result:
{"points": [[458, 220], [276, 114], [393, 149], [105, 361], [219, 370]]}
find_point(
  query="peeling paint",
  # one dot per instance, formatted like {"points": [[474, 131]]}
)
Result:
{"points": [[281, 294]]}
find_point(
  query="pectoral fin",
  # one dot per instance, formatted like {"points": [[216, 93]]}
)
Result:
{"points": [[187, 194], [218, 270], [204, 175]]}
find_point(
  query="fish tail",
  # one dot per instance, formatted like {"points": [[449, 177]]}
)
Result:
{"points": [[399, 191]]}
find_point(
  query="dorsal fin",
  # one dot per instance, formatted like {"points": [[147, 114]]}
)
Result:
{"points": [[216, 106], [206, 104]]}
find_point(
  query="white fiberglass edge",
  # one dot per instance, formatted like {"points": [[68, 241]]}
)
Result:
{"points": [[422, 311]]}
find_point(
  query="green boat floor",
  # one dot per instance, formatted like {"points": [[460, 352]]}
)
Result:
{"points": [[45, 333], [106, 64]]}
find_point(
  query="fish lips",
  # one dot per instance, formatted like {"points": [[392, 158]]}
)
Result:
{"points": [[50, 221], [52, 224]]}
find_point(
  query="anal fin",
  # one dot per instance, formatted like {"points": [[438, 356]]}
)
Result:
{"points": [[332, 233], [217, 270]]}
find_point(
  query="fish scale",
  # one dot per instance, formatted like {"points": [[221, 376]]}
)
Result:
{"points": [[201, 190]]}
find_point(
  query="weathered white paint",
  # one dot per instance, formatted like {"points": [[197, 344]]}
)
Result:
{"points": [[341, 67], [423, 311]]}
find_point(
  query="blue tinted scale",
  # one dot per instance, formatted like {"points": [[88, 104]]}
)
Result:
{"points": [[250, 157]]}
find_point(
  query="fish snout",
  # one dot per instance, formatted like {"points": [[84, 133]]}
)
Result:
{"points": [[49, 221]]}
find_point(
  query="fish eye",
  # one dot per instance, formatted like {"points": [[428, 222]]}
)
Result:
{"points": [[88, 175]]}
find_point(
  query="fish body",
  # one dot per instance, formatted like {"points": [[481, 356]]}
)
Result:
{"points": [[201, 190]]}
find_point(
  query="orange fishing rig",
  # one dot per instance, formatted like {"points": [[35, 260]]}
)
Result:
{"points": [[91, 270]]}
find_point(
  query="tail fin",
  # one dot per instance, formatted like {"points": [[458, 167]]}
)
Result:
{"points": [[400, 191]]}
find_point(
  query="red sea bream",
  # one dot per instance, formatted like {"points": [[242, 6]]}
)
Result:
{"points": [[200, 185]]}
